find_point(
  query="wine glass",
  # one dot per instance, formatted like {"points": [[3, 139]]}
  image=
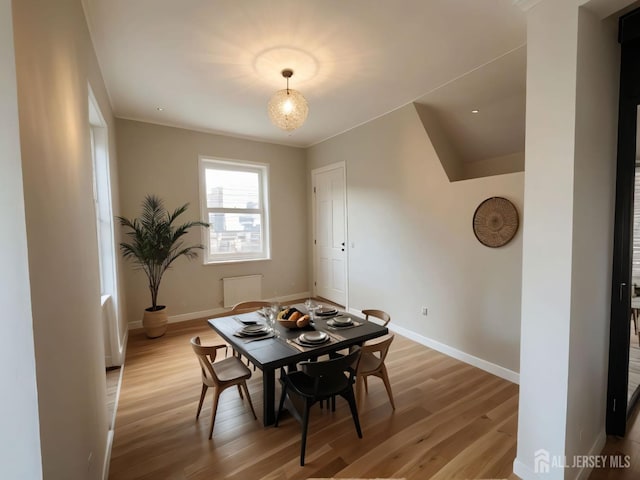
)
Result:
{"points": [[311, 307], [273, 313], [308, 304]]}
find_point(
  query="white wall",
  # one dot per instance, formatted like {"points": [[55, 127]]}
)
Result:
{"points": [[19, 430], [566, 272], [414, 245], [594, 191], [164, 161], [453, 165], [546, 265], [511, 163], [55, 60]]}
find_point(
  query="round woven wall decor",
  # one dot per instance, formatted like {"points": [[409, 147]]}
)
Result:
{"points": [[495, 222]]}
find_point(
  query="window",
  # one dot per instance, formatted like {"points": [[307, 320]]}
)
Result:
{"points": [[234, 203]]}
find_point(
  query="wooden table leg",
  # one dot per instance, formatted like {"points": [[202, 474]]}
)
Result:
{"points": [[268, 397]]}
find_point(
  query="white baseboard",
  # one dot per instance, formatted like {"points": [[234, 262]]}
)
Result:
{"points": [[596, 449], [482, 364], [217, 311], [123, 350], [525, 472], [295, 296], [107, 456], [112, 423]]}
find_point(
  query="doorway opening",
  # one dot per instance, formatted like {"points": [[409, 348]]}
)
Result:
{"points": [[624, 347]]}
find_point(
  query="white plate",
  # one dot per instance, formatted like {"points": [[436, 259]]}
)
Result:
{"points": [[313, 337], [248, 329], [342, 321], [326, 311]]}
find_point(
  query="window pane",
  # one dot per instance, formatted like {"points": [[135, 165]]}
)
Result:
{"points": [[232, 189], [235, 233]]}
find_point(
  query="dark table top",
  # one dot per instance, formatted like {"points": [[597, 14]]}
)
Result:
{"points": [[275, 352]]}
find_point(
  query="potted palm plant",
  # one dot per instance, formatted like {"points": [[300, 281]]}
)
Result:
{"points": [[154, 245]]}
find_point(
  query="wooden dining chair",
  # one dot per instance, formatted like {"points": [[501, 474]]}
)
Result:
{"points": [[380, 314], [316, 381], [250, 306], [371, 362], [219, 375], [246, 307]]}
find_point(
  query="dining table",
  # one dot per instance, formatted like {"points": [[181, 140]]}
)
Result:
{"points": [[281, 347]]}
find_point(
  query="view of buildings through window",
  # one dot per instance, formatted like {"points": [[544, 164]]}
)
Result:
{"points": [[235, 209]]}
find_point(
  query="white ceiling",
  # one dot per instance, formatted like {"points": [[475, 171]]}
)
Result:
{"points": [[497, 91], [213, 64]]}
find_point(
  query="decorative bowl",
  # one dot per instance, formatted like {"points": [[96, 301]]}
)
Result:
{"points": [[292, 324]]}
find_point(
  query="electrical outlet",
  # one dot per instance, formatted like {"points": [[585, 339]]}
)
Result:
{"points": [[424, 311]]}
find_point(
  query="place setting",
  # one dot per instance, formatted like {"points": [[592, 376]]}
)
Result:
{"points": [[323, 311], [342, 322], [254, 332], [310, 339]]}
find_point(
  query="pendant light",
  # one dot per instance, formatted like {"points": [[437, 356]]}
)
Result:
{"points": [[287, 108]]}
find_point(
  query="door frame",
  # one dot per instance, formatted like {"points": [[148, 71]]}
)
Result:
{"points": [[314, 172], [619, 335]]}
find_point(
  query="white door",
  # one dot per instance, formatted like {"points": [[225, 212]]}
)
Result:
{"points": [[330, 252]]}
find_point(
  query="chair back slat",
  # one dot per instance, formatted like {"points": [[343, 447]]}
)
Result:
{"points": [[380, 314], [250, 306], [333, 367], [206, 356]]}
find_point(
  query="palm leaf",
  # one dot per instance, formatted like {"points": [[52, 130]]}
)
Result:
{"points": [[154, 243]]}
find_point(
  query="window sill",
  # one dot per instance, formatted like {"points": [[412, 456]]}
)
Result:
{"points": [[239, 260]]}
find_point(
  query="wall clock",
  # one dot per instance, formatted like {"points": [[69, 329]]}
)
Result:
{"points": [[495, 222]]}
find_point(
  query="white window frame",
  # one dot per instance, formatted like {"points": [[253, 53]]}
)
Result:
{"points": [[235, 165]]}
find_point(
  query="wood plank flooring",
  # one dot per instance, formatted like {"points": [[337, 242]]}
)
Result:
{"points": [[451, 421], [113, 378], [629, 445]]}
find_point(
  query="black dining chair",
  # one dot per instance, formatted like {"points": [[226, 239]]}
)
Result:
{"points": [[318, 381]]}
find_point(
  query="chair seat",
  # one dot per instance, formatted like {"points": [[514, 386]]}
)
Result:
{"points": [[230, 369], [220, 376], [369, 362], [372, 356], [304, 385]]}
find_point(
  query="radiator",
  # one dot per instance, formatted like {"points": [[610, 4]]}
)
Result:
{"points": [[241, 289]]}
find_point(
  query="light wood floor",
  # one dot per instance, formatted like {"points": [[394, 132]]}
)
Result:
{"points": [[629, 445], [451, 421], [113, 378]]}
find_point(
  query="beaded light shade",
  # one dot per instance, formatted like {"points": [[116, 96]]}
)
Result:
{"points": [[287, 108]]}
